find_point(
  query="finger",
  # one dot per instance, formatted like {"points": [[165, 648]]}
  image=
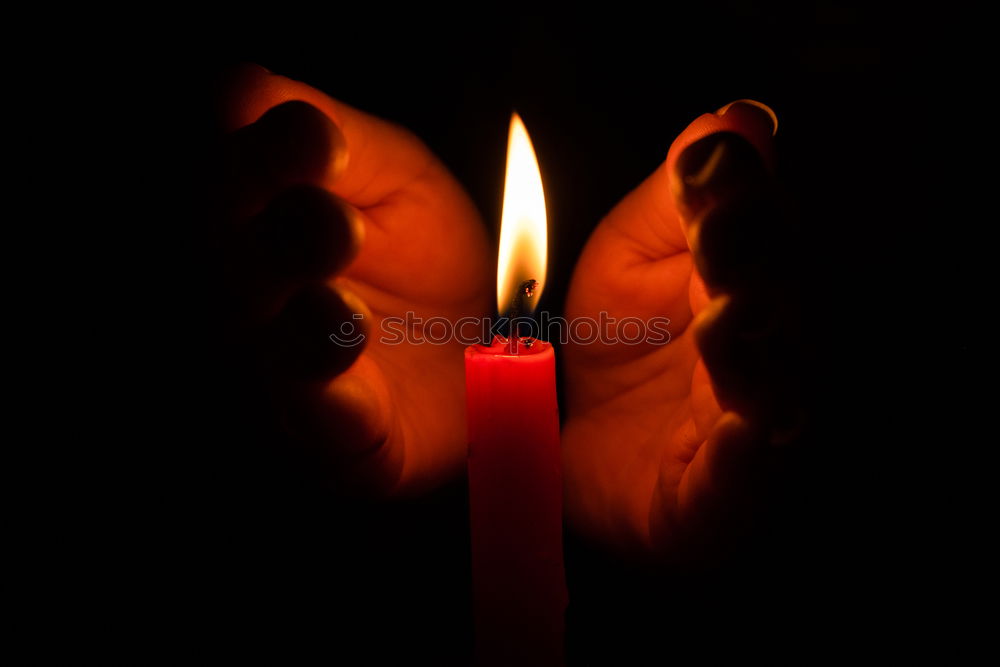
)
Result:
{"points": [[345, 423], [730, 212], [318, 334], [748, 345], [717, 491], [644, 233], [304, 235], [754, 121], [290, 144], [380, 158], [727, 334], [649, 214]]}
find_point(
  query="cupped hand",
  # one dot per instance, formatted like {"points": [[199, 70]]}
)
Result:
{"points": [[665, 444], [332, 221]]}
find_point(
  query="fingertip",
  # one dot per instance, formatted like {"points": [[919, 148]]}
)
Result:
{"points": [[357, 227], [355, 401], [735, 429], [709, 316], [304, 235], [718, 168], [709, 337], [751, 114], [345, 425], [734, 320], [352, 301], [735, 443], [752, 120], [320, 234], [345, 418]]}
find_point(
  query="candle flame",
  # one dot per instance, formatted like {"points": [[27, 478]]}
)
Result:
{"points": [[523, 226]]}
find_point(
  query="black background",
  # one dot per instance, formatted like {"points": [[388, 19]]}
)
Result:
{"points": [[250, 548]]}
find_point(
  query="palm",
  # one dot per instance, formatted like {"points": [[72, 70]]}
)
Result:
{"points": [[425, 253], [652, 459], [395, 414], [654, 402]]}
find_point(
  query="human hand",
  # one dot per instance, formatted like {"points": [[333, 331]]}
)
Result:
{"points": [[331, 221], [664, 445]]}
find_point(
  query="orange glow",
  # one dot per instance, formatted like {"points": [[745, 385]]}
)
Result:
{"points": [[523, 227]]}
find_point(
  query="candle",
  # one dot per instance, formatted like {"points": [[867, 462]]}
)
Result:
{"points": [[515, 487]]}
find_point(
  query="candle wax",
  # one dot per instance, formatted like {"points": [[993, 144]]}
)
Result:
{"points": [[515, 498]]}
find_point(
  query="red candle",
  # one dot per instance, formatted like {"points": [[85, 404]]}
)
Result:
{"points": [[515, 498], [515, 486]]}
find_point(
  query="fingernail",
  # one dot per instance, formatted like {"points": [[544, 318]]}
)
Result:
{"points": [[754, 112], [721, 167]]}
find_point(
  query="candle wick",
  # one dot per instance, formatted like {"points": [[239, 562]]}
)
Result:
{"points": [[524, 291]]}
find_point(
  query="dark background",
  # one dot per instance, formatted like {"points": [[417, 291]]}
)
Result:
{"points": [[252, 548]]}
